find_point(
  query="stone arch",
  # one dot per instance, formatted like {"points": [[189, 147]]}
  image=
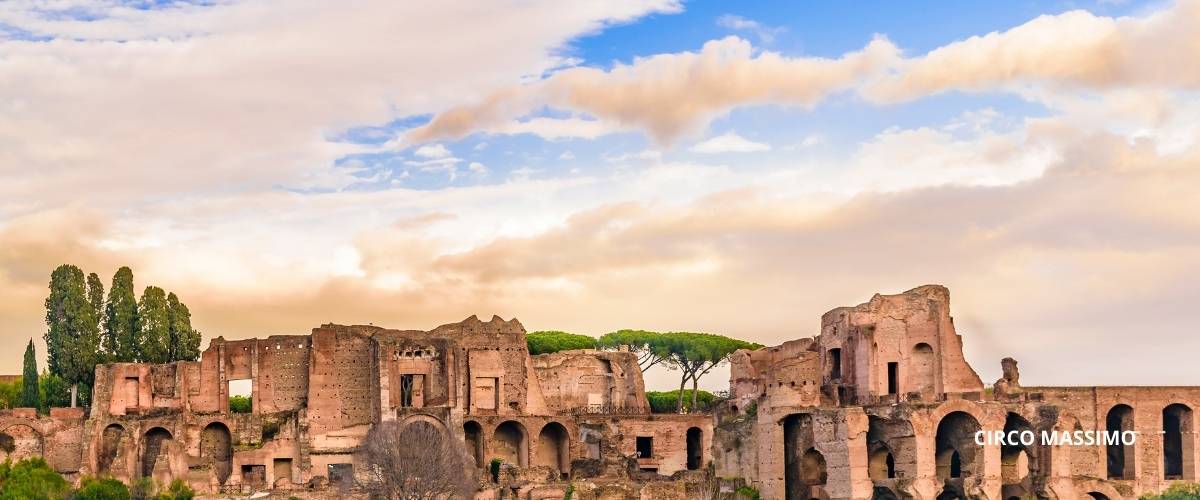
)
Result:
{"points": [[1018, 462], [20, 441], [110, 448], [957, 454], [812, 468], [473, 437], [433, 421], [216, 450], [881, 463], [924, 368], [1178, 442], [511, 443], [1121, 457], [797, 437], [154, 450], [554, 448], [951, 492], [1097, 495]]}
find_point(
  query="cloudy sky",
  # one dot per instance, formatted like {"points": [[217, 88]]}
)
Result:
{"points": [[588, 166]]}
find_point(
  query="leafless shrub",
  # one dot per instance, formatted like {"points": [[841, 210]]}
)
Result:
{"points": [[417, 461]]}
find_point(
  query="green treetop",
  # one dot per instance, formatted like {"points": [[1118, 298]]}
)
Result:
{"points": [[184, 341], [545, 342], [121, 334], [651, 348], [154, 326]]}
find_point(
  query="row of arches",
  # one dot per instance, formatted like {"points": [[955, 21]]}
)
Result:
{"points": [[958, 456], [216, 450], [552, 448]]}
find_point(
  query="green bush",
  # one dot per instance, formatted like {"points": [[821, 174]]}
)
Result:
{"points": [[664, 402], [31, 479], [92, 488], [1177, 491], [240, 404], [177, 490], [553, 341], [494, 467], [748, 493]]}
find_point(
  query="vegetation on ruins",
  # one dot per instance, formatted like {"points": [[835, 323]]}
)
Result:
{"points": [[85, 329], [546, 342], [1177, 491], [30, 392], [417, 461], [665, 401]]}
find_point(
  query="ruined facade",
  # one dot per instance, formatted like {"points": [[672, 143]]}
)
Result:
{"points": [[879, 404], [551, 419]]}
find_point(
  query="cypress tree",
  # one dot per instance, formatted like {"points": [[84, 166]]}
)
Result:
{"points": [[184, 340], [154, 326], [95, 296], [30, 394], [72, 336], [121, 334]]}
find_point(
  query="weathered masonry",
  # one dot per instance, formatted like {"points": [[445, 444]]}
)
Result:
{"points": [[880, 404], [550, 418]]}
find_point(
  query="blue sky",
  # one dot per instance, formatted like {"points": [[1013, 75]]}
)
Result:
{"points": [[790, 28]]}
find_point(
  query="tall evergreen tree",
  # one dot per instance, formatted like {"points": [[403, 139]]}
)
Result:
{"points": [[184, 340], [72, 335], [121, 334], [30, 395], [154, 326], [95, 296]]}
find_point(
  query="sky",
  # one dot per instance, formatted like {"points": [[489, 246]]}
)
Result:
{"points": [[726, 167]]}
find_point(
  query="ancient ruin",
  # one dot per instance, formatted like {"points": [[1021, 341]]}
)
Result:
{"points": [[880, 404]]}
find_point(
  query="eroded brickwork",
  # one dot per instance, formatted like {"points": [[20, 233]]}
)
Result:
{"points": [[879, 404]]}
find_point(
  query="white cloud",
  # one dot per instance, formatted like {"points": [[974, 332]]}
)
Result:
{"points": [[567, 155], [729, 142], [766, 34], [432, 151], [559, 128], [477, 168]]}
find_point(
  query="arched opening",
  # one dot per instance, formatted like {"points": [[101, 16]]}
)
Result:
{"points": [[922, 368], [1120, 456], [957, 454], [812, 468], [110, 447], [1016, 460], [695, 453], [1178, 443], [473, 436], [881, 464], [216, 450], [881, 493], [553, 448], [511, 444], [835, 363], [1097, 495], [154, 452], [20, 441]]}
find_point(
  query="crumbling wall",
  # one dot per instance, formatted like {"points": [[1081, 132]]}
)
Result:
{"points": [[582, 379]]}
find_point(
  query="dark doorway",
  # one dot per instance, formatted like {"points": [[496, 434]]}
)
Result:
{"points": [[695, 456], [1120, 456], [893, 378]]}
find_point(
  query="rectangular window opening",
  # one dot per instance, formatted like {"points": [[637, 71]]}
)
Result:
{"points": [[645, 446]]}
